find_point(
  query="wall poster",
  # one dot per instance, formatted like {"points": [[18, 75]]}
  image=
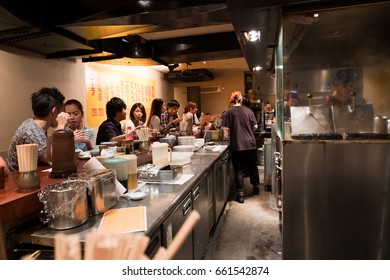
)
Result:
{"points": [[103, 83]]}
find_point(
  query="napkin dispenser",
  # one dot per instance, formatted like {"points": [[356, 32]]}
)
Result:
{"points": [[102, 193], [62, 153]]}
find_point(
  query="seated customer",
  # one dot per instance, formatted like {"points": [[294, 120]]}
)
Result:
{"points": [[84, 136], [137, 118], [47, 104], [170, 118], [156, 110], [4, 164], [111, 130]]}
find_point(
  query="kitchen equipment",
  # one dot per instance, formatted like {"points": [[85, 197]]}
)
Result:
{"points": [[380, 124], [158, 173], [28, 162], [131, 170], [200, 203], [179, 158], [102, 193], [137, 195], [358, 120], [128, 146], [161, 153], [65, 204], [62, 154], [184, 148], [120, 166], [171, 226], [215, 135], [310, 120], [186, 140]]}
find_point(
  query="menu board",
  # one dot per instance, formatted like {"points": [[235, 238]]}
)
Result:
{"points": [[103, 83]]}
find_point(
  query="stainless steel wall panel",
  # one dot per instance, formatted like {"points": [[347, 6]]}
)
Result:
{"points": [[336, 200]]}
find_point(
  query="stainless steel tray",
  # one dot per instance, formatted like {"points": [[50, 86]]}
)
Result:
{"points": [[162, 173]]}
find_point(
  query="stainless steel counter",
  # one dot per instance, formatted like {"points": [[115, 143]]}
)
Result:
{"points": [[161, 199]]}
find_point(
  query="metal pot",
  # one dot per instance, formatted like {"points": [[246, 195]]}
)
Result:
{"points": [[65, 204]]}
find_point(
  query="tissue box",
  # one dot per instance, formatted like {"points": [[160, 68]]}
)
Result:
{"points": [[102, 193]]}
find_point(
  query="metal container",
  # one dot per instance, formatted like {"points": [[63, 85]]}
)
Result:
{"points": [[380, 124], [65, 204], [155, 173], [102, 193]]}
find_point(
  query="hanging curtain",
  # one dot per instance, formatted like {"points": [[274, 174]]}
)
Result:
{"points": [[193, 95]]}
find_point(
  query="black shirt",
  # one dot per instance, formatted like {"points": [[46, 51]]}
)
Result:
{"points": [[107, 130]]}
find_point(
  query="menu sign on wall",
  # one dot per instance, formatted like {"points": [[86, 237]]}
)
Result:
{"points": [[103, 83]]}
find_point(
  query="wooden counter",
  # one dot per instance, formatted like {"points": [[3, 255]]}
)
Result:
{"points": [[16, 206]]}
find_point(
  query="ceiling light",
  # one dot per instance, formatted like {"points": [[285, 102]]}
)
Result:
{"points": [[172, 66], [316, 15], [252, 36], [257, 68]]}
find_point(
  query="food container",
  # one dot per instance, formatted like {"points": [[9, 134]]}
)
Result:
{"points": [[215, 135], [186, 140], [102, 193], [167, 173], [180, 158], [65, 204], [161, 153], [184, 148]]}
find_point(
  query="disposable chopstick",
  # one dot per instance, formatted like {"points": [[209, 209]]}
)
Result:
{"points": [[182, 234], [161, 254], [139, 244]]}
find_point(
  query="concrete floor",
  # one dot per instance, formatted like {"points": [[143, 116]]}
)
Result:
{"points": [[248, 231]]}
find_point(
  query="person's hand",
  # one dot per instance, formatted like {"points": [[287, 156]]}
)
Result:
{"points": [[79, 136], [62, 120]]}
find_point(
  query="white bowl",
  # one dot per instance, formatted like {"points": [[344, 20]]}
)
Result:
{"points": [[184, 148], [180, 158], [186, 140]]}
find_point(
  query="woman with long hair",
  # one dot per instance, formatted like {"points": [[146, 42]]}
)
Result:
{"points": [[157, 108]]}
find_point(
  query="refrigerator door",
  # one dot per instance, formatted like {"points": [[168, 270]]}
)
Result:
{"points": [[172, 225], [200, 203]]}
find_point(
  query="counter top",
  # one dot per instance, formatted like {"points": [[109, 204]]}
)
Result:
{"points": [[160, 200]]}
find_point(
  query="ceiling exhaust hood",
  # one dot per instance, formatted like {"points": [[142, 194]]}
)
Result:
{"points": [[194, 75], [265, 22]]}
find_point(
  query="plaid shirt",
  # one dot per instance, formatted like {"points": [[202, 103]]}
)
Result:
{"points": [[166, 121]]}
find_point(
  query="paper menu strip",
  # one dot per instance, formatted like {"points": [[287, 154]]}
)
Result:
{"points": [[124, 220]]}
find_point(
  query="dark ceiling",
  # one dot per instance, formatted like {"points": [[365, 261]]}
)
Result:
{"points": [[157, 32]]}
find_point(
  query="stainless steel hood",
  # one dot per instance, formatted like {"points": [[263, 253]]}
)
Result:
{"points": [[161, 32], [166, 32]]}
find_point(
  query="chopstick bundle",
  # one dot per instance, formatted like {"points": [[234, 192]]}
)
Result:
{"points": [[143, 134], [119, 246]]}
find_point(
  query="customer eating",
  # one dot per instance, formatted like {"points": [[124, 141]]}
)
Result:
{"points": [[47, 104], [111, 130], [84, 137]]}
